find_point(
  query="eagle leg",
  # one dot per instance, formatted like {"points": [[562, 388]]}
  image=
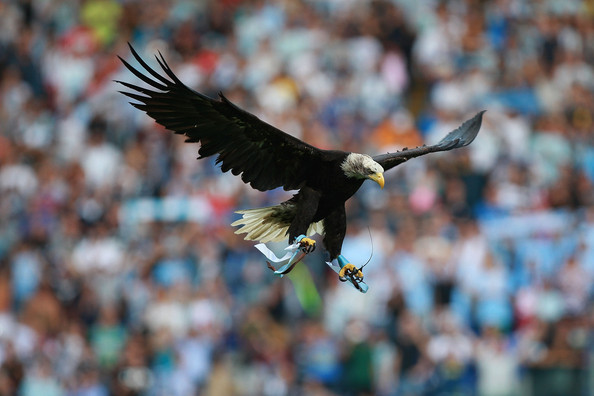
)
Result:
{"points": [[307, 201], [335, 230]]}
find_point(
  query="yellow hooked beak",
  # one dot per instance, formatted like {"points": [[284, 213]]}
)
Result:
{"points": [[378, 178]]}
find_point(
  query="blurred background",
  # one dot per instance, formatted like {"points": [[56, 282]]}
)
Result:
{"points": [[120, 274]]}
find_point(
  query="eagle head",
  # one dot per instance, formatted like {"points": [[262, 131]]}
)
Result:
{"points": [[362, 166]]}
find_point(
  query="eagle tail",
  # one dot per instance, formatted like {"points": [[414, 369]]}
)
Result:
{"points": [[270, 224]]}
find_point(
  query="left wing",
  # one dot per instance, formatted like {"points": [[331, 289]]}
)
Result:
{"points": [[460, 137]]}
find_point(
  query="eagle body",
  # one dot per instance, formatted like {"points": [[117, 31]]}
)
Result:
{"points": [[330, 182], [267, 158], [317, 208]]}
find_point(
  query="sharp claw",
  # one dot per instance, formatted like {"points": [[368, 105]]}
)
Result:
{"points": [[348, 272], [350, 268], [352, 272], [307, 245]]}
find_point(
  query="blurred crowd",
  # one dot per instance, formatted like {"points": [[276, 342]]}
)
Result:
{"points": [[120, 274]]}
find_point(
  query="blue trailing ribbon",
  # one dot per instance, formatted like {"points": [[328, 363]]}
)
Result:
{"points": [[294, 255]]}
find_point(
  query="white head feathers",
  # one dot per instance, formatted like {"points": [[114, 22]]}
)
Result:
{"points": [[360, 166]]}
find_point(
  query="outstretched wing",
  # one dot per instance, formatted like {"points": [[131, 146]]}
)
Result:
{"points": [[460, 137], [265, 156]]}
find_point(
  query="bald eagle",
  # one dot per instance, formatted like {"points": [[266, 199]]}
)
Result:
{"points": [[266, 158]]}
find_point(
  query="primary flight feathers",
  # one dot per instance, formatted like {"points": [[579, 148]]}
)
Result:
{"points": [[265, 156]]}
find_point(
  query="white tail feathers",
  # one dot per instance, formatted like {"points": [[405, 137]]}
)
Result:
{"points": [[265, 225]]}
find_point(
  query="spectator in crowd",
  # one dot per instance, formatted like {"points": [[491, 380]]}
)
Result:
{"points": [[120, 275]]}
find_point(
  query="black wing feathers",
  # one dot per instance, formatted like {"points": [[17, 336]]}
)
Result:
{"points": [[459, 137], [265, 156]]}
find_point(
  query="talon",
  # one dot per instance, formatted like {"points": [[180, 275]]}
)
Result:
{"points": [[307, 245], [350, 270]]}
